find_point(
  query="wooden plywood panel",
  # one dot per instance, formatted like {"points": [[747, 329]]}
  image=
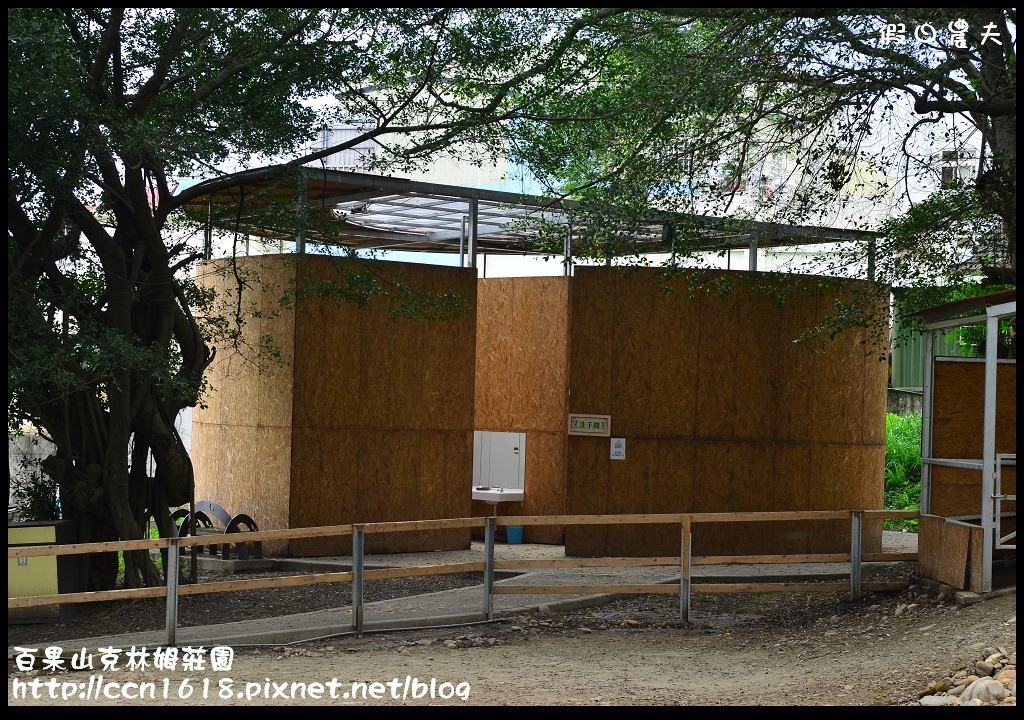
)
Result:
{"points": [[590, 345], [631, 490], [1009, 487], [875, 403], [634, 356], [493, 399], [871, 471], [715, 490], [329, 344], [276, 378], [413, 373], [442, 483], [958, 423], [868, 375], [791, 490], [441, 378], [751, 400], [243, 440], [414, 475], [257, 391], [720, 359], [237, 490], [836, 474], [325, 467], [797, 365], [538, 353], [942, 550], [207, 457], [756, 373], [837, 400], [273, 474], [587, 493], [339, 493], [655, 477], [955, 491], [247, 390], [654, 349], [356, 372], [251, 478], [676, 320], [732, 477], [865, 480], [975, 567], [545, 484]]}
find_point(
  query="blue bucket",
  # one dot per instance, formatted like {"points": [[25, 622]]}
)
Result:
{"points": [[514, 534]]}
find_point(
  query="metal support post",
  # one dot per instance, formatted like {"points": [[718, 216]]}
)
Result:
{"points": [[474, 220], [684, 572], [928, 373], [856, 552], [462, 242], [300, 238], [567, 249], [489, 526], [172, 591], [988, 451], [357, 577]]}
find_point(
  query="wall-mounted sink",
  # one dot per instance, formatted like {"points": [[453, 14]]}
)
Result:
{"points": [[495, 495]]}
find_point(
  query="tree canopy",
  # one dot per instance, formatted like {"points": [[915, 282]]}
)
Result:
{"points": [[840, 116]]}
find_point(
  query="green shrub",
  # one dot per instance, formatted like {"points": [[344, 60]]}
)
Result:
{"points": [[902, 467]]}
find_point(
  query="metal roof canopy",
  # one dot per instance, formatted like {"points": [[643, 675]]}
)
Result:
{"points": [[949, 310], [401, 214]]}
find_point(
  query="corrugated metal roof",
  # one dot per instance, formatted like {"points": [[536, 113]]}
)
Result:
{"points": [[387, 212]]}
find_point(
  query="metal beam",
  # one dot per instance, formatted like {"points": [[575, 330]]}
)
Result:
{"points": [[474, 230]]}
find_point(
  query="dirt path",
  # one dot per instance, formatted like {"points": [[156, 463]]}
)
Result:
{"points": [[867, 655]]}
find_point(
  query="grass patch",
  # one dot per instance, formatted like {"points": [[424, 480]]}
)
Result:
{"points": [[902, 468]]}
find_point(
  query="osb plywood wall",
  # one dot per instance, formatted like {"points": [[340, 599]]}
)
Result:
{"points": [[241, 446], [721, 412], [521, 386], [958, 429], [383, 419]]}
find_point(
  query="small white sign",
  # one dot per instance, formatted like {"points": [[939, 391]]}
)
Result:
{"points": [[600, 425], [618, 448]]}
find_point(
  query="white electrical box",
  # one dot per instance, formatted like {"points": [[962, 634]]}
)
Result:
{"points": [[499, 459]]}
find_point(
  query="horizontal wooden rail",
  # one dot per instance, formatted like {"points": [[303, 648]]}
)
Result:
{"points": [[263, 535], [890, 514], [205, 539], [84, 548], [86, 597], [411, 525], [671, 518], [631, 519]]}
